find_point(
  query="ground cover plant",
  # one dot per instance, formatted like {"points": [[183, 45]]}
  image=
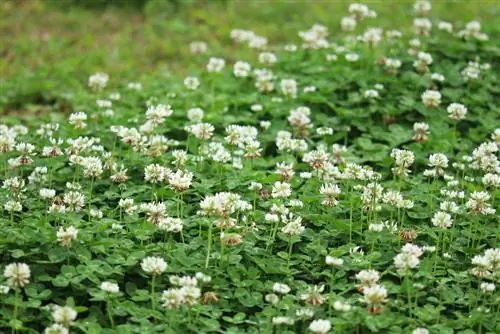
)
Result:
{"points": [[343, 181]]}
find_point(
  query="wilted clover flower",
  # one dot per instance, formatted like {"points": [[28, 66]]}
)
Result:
{"points": [[17, 274], [153, 265]]}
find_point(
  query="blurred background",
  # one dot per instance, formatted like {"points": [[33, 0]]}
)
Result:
{"points": [[46, 45]]}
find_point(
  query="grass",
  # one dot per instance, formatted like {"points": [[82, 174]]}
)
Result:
{"points": [[51, 47]]}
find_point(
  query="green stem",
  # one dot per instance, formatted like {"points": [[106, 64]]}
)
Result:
{"points": [[290, 247], [408, 291], [207, 260], [90, 195], [16, 303], [153, 301], [110, 315]]}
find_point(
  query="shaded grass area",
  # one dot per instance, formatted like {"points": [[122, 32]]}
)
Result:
{"points": [[49, 48]]}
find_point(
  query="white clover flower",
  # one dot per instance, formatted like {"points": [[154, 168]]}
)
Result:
{"points": [[333, 261], [17, 274], [422, 26], [420, 331], [4, 289], [320, 326], [98, 81], [172, 298], [442, 220], [293, 225], [282, 320], [431, 98], [289, 87], [241, 69], [56, 329], [271, 298], [195, 114], [197, 47], [110, 287], [421, 131], [456, 111], [371, 94], [267, 58], [153, 265], [47, 193], [437, 77], [180, 180], [352, 57], [445, 26], [215, 64], [78, 119], [404, 261], [304, 313], [348, 23], [341, 306], [64, 315], [13, 206], [375, 294], [487, 287], [202, 131], [281, 288], [281, 189], [65, 236], [368, 277], [422, 7], [134, 85]]}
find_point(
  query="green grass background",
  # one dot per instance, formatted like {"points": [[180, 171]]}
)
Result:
{"points": [[49, 47]]}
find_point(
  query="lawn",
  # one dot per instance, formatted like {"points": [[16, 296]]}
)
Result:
{"points": [[249, 167]]}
